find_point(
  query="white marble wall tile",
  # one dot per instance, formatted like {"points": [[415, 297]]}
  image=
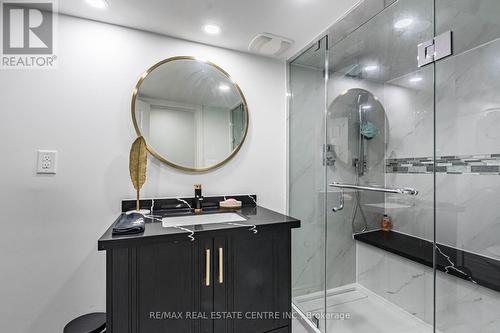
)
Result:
{"points": [[463, 307], [467, 122], [397, 279], [410, 113], [468, 102], [413, 215], [467, 214], [372, 268], [308, 243], [473, 22], [341, 251], [306, 179]]}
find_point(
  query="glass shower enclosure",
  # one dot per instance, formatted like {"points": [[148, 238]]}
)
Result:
{"points": [[393, 169]]}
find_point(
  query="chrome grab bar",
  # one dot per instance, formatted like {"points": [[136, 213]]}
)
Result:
{"points": [[405, 190]]}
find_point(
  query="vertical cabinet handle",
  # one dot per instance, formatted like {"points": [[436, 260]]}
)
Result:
{"points": [[207, 267], [221, 265]]}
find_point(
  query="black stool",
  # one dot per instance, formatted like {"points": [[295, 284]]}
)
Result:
{"points": [[89, 323]]}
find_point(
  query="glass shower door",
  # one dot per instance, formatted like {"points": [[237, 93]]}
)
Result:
{"points": [[306, 179], [380, 139], [468, 184]]}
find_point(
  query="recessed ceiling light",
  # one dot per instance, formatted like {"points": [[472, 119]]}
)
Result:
{"points": [[416, 79], [403, 23], [211, 29], [101, 4], [223, 87], [366, 107], [370, 68]]}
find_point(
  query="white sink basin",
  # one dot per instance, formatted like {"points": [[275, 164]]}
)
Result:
{"points": [[181, 221]]}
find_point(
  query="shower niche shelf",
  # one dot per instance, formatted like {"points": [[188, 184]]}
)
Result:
{"points": [[465, 265]]}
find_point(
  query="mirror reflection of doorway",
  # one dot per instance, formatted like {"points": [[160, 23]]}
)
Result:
{"points": [[237, 125], [169, 124]]}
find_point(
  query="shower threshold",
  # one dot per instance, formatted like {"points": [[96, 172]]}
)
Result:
{"points": [[362, 310]]}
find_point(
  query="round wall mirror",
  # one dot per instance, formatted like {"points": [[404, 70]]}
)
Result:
{"points": [[191, 114]]}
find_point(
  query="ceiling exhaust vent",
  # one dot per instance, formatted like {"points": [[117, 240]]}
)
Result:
{"points": [[269, 44]]}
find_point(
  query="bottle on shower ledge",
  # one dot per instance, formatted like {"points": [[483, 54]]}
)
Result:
{"points": [[386, 223]]}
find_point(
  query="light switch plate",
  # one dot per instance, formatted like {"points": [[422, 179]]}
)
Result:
{"points": [[47, 162]]}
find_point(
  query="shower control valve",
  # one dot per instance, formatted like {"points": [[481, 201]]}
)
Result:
{"points": [[355, 163]]}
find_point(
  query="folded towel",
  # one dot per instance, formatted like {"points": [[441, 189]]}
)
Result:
{"points": [[125, 224]]}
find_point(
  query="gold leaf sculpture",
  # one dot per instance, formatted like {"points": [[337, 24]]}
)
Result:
{"points": [[137, 165]]}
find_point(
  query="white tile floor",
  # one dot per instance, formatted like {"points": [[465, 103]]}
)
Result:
{"points": [[369, 313], [297, 327]]}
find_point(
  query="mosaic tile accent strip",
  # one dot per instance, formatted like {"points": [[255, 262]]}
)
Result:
{"points": [[486, 164]]}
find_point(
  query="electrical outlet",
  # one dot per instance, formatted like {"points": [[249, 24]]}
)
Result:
{"points": [[46, 162]]}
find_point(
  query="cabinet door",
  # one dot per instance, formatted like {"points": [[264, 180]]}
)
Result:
{"points": [[221, 291], [257, 281], [172, 291], [206, 266]]}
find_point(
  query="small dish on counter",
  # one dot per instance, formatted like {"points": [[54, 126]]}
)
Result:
{"points": [[230, 204]]}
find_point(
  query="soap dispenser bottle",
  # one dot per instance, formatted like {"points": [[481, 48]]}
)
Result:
{"points": [[198, 199], [386, 223]]}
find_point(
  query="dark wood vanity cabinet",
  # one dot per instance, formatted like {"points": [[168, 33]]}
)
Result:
{"points": [[231, 281], [257, 281]]}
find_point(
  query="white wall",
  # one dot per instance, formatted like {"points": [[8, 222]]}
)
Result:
{"points": [[51, 270]]}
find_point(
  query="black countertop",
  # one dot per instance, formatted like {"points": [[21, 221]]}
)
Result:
{"points": [[256, 216]]}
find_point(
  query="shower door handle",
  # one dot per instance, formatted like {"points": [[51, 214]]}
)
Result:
{"points": [[341, 202]]}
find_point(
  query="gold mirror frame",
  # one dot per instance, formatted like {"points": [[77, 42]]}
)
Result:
{"points": [[151, 150]]}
